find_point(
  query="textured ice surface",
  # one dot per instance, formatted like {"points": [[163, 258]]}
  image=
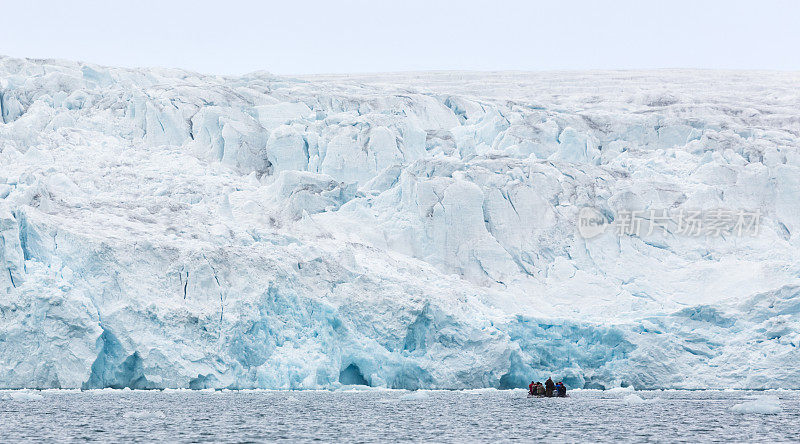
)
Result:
{"points": [[161, 228]]}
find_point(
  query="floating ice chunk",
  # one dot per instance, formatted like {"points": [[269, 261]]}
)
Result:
{"points": [[633, 398], [22, 396], [764, 405], [356, 388], [176, 390], [620, 389], [103, 391], [415, 396], [482, 391]]}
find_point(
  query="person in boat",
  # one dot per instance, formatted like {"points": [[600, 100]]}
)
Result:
{"points": [[561, 390], [539, 389], [549, 386], [532, 388]]}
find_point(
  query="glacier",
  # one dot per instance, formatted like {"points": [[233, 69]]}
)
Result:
{"points": [[165, 229]]}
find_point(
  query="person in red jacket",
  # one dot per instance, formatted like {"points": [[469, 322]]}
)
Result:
{"points": [[531, 388]]}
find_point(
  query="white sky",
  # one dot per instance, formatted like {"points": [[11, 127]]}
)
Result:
{"points": [[307, 36]]}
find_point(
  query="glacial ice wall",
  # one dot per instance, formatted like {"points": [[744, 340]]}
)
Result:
{"points": [[161, 228]]}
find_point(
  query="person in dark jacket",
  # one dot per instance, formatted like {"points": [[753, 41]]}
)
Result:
{"points": [[549, 386], [561, 390]]}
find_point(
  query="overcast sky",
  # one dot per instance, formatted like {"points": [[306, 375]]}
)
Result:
{"points": [[304, 36]]}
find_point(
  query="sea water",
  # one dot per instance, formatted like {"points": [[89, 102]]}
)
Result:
{"points": [[393, 415]]}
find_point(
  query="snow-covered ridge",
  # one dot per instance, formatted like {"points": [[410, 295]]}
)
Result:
{"points": [[161, 228]]}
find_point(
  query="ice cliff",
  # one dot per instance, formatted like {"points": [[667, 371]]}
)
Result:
{"points": [[161, 228]]}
